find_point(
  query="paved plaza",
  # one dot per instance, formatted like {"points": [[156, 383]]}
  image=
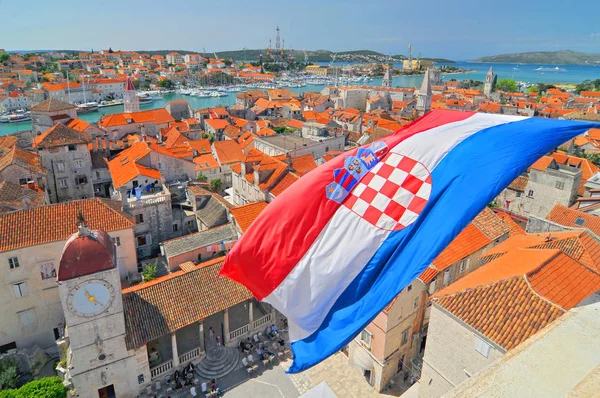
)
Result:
{"points": [[271, 381]]}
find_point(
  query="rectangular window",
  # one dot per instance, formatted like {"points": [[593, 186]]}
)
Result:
{"points": [[409, 288], [482, 347], [27, 318], [20, 289], [416, 303], [80, 180], [446, 277], [72, 147], [462, 266], [13, 262], [60, 166], [405, 336], [560, 185], [139, 218], [63, 183], [79, 163], [117, 241], [23, 181], [365, 337], [175, 227], [530, 193], [141, 240]]}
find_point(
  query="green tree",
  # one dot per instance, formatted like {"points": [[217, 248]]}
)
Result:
{"points": [[586, 85], [165, 83], [150, 271], [507, 85], [494, 83], [4, 57], [216, 185], [201, 178], [210, 136], [47, 387], [8, 374]]}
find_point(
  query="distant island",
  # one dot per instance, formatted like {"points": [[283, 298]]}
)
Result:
{"points": [[563, 57]]}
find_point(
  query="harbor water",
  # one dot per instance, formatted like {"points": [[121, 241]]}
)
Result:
{"points": [[566, 74]]}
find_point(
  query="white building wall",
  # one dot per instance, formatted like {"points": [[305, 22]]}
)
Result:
{"points": [[42, 295]]}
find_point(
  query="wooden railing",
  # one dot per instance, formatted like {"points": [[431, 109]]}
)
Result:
{"points": [[188, 356], [261, 321], [161, 369], [239, 332]]}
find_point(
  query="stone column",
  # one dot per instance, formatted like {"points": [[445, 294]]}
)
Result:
{"points": [[226, 325], [174, 349], [250, 314], [201, 329]]}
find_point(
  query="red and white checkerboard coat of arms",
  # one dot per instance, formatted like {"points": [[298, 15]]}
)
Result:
{"points": [[392, 194]]}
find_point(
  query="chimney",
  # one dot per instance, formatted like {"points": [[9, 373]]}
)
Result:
{"points": [[106, 143], [94, 144], [31, 185]]}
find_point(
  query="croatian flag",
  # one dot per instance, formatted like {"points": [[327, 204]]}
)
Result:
{"points": [[337, 246]]}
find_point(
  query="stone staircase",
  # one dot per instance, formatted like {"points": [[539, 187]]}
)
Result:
{"points": [[219, 361]]}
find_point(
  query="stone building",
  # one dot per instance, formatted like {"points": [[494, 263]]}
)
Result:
{"points": [[180, 109], [148, 123], [295, 146], [65, 155], [489, 83], [98, 362], [424, 95], [493, 310], [21, 167], [548, 183], [199, 246], [49, 112], [131, 103], [31, 243]]}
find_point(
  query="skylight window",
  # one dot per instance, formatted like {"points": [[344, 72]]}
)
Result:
{"points": [[579, 221]]}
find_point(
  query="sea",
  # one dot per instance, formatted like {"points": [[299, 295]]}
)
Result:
{"points": [[530, 73]]}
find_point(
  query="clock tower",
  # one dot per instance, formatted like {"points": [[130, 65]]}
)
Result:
{"points": [[98, 363]]}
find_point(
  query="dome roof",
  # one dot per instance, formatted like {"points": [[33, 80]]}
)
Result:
{"points": [[86, 252]]}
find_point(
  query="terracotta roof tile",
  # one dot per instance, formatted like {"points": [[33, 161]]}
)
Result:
{"points": [[284, 184], [515, 229], [246, 214], [302, 165], [17, 197], [124, 167], [158, 116], [20, 157], [60, 135], [206, 162], [228, 151], [51, 223], [574, 218], [169, 303], [51, 105], [542, 163], [519, 183]]}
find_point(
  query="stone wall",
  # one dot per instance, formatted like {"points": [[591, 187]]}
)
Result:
{"points": [[67, 165], [450, 355]]}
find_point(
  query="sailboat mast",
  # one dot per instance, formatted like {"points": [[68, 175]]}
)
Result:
{"points": [[83, 84]]}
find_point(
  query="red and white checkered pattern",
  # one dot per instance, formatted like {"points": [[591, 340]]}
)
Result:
{"points": [[393, 194]]}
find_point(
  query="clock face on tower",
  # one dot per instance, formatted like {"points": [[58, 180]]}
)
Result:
{"points": [[90, 298]]}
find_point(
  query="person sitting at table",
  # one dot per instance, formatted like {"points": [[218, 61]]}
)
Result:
{"points": [[274, 329], [281, 342], [260, 354]]}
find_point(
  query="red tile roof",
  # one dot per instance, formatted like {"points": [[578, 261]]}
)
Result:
{"points": [[124, 167], [588, 169], [206, 162], [302, 165], [179, 299], [217, 124], [565, 216], [542, 163], [246, 214], [20, 157], [228, 152], [516, 295], [284, 184], [158, 116], [56, 222], [60, 135]]}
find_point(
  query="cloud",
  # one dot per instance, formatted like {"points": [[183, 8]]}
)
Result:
{"points": [[595, 35]]}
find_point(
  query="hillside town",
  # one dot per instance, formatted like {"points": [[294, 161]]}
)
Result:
{"points": [[112, 235]]}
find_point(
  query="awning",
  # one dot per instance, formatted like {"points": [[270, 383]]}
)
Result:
{"points": [[363, 359]]}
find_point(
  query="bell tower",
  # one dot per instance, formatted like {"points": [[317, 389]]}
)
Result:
{"points": [[131, 102], [489, 82], [89, 286], [424, 95]]}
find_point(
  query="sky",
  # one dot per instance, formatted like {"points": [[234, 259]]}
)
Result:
{"points": [[458, 30]]}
